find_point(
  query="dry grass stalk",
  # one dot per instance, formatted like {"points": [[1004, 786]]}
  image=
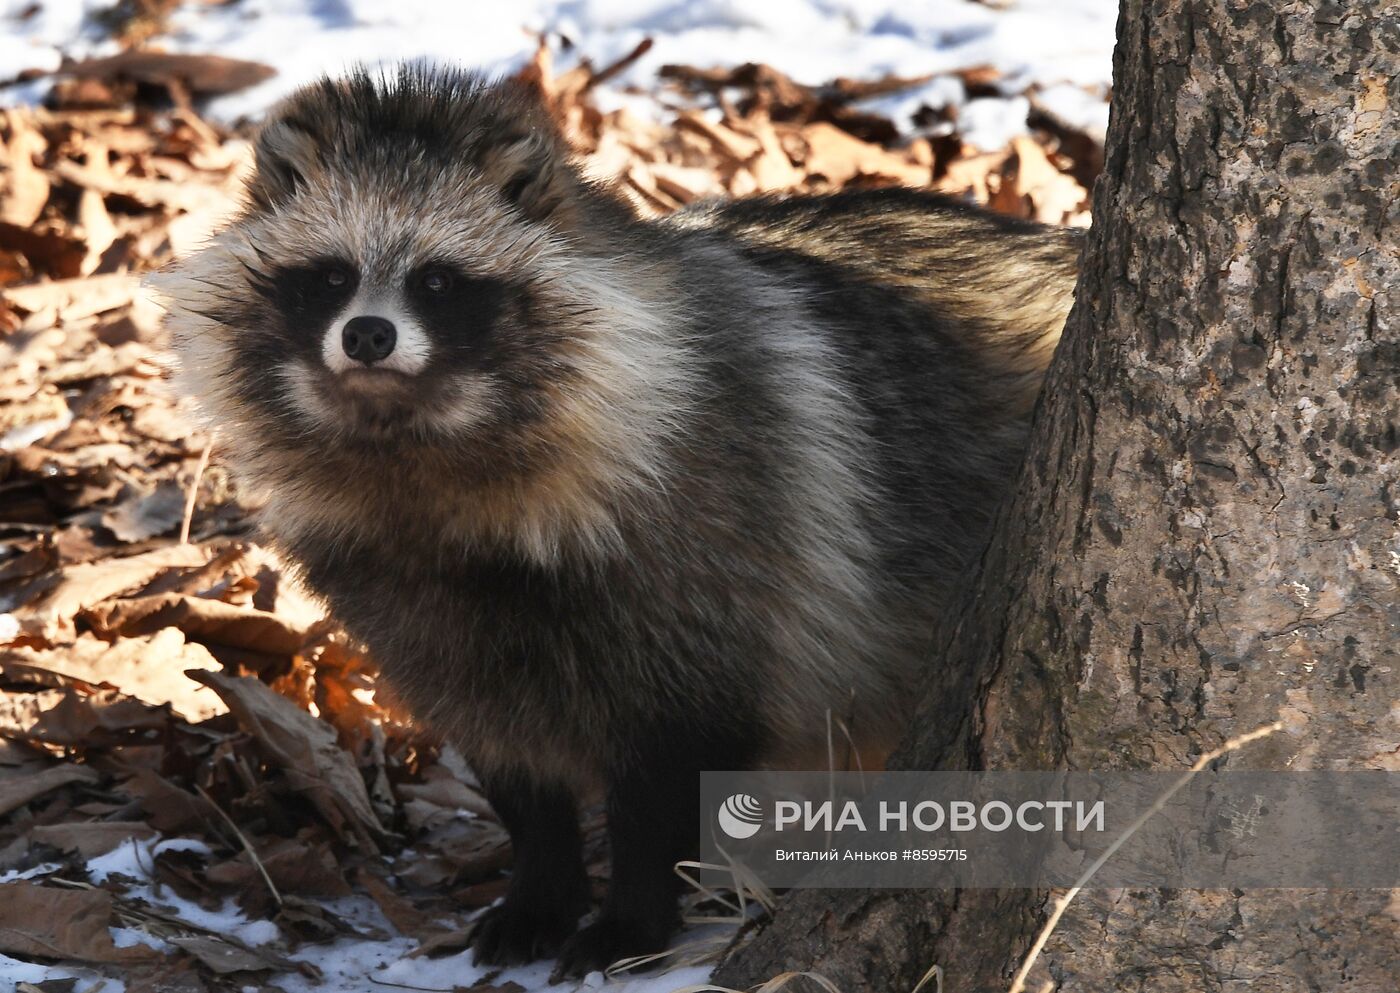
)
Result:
{"points": [[1061, 904], [193, 493]]}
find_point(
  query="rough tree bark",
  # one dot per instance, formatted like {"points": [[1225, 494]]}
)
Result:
{"points": [[1205, 537]]}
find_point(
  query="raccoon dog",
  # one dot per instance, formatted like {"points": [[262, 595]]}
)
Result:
{"points": [[611, 501]]}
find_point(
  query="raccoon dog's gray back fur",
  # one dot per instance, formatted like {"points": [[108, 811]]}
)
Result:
{"points": [[623, 499]]}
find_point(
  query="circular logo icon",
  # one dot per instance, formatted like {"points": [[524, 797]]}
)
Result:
{"points": [[741, 816]]}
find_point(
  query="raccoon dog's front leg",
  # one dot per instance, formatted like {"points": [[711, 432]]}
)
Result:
{"points": [[653, 807], [548, 886]]}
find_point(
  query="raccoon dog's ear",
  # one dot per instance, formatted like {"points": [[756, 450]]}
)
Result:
{"points": [[286, 153], [529, 164]]}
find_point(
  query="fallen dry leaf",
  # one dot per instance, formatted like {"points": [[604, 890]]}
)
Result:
{"points": [[306, 751], [163, 193], [212, 622], [293, 865], [728, 142], [20, 711], [48, 986], [53, 923], [841, 157], [170, 809], [442, 789], [74, 299], [98, 230], [771, 168], [146, 514], [969, 174], [53, 252], [86, 585], [25, 188], [442, 943], [17, 793], [406, 919], [221, 956], [91, 839], [149, 668], [98, 718], [1032, 187], [209, 75], [684, 183]]}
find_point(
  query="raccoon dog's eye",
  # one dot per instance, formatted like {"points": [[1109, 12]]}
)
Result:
{"points": [[336, 278], [437, 281]]}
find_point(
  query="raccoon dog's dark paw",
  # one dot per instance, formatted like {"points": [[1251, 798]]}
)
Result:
{"points": [[518, 932], [608, 939]]}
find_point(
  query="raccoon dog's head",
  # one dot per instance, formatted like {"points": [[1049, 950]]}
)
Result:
{"points": [[418, 264]]}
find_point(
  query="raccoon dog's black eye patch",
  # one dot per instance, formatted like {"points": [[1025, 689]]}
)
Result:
{"points": [[449, 299], [315, 288]]}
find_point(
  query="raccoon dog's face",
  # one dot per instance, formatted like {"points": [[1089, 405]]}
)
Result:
{"points": [[408, 271]]}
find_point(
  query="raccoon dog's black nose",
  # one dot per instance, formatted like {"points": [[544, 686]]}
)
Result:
{"points": [[368, 339]]}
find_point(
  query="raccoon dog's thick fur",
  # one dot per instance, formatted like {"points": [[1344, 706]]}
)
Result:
{"points": [[610, 500]]}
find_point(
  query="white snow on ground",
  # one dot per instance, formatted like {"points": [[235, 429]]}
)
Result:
{"points": [[1063, 46], [14, 972]]}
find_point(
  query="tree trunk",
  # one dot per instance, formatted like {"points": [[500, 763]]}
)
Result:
{"points": [[1204, 538]]}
